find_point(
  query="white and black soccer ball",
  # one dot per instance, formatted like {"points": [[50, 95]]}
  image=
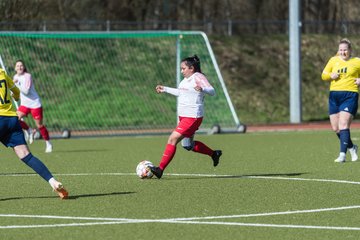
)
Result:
{"points": [[143, 169]]}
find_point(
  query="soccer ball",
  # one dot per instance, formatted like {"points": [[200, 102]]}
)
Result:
{"points": [[143, 169]]}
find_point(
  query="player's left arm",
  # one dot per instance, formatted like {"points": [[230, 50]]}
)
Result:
{"points": [[357, 78], [14, 90], [203, 85]]}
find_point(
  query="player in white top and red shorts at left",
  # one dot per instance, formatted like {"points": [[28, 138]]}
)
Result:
{"points": [[30, 103]]}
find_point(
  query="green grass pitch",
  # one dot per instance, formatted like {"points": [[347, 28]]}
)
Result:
{"points": [[281, 185]]}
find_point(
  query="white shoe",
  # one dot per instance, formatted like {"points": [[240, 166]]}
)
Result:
{"points": [[59, 189], [341, 158], [26, 135], [31, 135], [353, 152], [49, 148]]}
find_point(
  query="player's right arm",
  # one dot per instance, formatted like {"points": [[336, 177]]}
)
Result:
{"points": [[172, 91], [24, 87], [328, 74]]}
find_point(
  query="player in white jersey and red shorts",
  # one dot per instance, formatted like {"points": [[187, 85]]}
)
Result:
{"points": [[30, 103], [191, 93]]}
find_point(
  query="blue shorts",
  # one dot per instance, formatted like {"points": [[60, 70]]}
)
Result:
{"points": [[11, 134], [343, 101]]}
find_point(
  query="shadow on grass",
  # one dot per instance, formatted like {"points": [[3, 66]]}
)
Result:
{"points": [[240, 176], [71, 197], [83, 150], [263, 175], [17, 174]]}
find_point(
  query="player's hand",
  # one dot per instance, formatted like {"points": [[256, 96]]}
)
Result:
{"points": [[198, 88], [159, 88], [334, 76], [357, 81]]}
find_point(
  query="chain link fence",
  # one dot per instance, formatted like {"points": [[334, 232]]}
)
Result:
{"points": [[228, 27]]}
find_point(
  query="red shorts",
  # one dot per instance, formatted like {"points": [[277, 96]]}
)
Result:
{"points": [[188, 126], [37, 113]]}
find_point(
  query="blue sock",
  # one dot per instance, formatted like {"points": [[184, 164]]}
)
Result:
{"points": [[345, 141], [37, 166], [350, 144]]}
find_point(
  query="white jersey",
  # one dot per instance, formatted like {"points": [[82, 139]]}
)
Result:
{"points": [[28, 95], [190, 101]]}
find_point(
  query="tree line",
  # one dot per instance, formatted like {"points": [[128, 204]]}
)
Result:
{"points": [[179, 14]]}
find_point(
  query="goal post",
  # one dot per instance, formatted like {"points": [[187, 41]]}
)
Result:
{"points": [[103, 83]]}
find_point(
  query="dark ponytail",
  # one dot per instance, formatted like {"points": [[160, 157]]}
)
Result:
{"points": [[194, 62]]}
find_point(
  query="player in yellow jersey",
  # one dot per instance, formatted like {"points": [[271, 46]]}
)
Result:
{"points": [[11, 134], [343, 73]]}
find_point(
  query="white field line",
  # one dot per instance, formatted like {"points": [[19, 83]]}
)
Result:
{"points": [[184, 222], [306, 179], [268, 214], [63, 225], [184, 219], [107, 221], [111, 221], [269, 225]]}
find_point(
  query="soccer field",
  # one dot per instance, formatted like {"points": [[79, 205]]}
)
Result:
{"points": [[280, 185]]}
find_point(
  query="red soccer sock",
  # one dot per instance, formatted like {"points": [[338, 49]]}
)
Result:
{"points": [[44, 133], [167, 156], [202, 148], [24, 125]]}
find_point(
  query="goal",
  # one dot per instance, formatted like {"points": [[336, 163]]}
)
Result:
{"points": [[103, 83]]}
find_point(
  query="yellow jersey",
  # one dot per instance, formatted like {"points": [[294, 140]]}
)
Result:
{"points": [[347, 70], [7, 90]]}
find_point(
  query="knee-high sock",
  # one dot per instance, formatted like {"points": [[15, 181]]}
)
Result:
{"points": [[24, 125], [350, 144], [37, 166], [345, 140], [168, 155], [44, 133], [202, 148]]}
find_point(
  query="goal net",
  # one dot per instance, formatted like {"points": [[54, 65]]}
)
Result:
{"points": [[103, 83]]}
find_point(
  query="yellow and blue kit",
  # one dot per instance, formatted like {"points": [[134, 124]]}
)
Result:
{"points": [[7, 90], [348, 71]]}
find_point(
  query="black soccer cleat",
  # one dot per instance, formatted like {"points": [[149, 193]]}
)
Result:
{"points": [[157, 171], [216, 157]]}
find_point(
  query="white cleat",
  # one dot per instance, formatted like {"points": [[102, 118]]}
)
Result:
{"points": [[341, 158], [353, 152], [31, 135], [49, 148], [26, 135], [61, 191]]}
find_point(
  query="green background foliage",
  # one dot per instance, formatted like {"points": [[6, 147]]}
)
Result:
{"points": [[106, 81], [75, 77]]}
